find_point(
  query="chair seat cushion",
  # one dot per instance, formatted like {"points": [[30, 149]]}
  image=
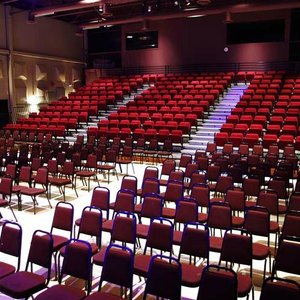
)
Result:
{"points": [[177, 237], [58, 242], [62, 292], [6, 269], [202, 217], [32, 191], [108, 225], [237, 222], [3, 202], [98, 258], [191, 275], [85, 173], [59, 181], [22, 284], [244, 284], [168, 213], [260, 251], [142, 231], [215, 243], [141, 264]]}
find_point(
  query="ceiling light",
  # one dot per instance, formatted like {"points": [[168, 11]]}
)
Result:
{"points": [[149, 9], [196, 16], [228, 18], [88, 1], [203, 2]]}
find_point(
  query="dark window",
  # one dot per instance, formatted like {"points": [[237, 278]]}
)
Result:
{"points": [[256, 32], [104, 40], [141, 40]]}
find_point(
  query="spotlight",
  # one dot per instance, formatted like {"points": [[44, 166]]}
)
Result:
{"points": [[149, 9]]}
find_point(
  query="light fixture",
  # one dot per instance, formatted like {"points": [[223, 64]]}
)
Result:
{"points": [[88, 1], [196, 16], [145, 25], [149, 9], [228, 18], [30, 18], [203, 2], [106, 11], [187, 3], [79, 32]]}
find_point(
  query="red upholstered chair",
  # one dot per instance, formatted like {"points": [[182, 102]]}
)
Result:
{"points": [[236, 139], [218, 283], [268, 140], [23, 284], [164, 278], [10, 244], [6, 189], [61, 227], [67, 178], [76, 263], [118, 270], [123, 231], [233, 241], [221, 138], [160, 237], [275, 288], [287, 257]]}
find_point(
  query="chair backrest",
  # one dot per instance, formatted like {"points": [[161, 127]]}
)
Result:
{"points": [[201, 193], [233, 242], [174, 191], [294, 202], [287, 258], [124, 228], [257, 221], [68, 168], [6, 186], [77, 261], [168, 166], [269, 199], [219, 215], [11, 240], [40, 252], [118, 267], [217, 283], [186, 210], [101, 198], [150, 185], [164, 278], [223, 184], [124, 201], [195, 241], [25, 174], [42, 177], [91, 223], [251, 187], [129, 183], [275, 288], [160, 235], [150, 172], [236, 199], [63, 217], [152, 206], [291, 225]]}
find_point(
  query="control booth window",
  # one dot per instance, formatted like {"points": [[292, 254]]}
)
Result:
{"points": [[141, 40]]}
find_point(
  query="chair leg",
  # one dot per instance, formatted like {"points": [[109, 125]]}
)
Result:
{"points": [[12, 213]]}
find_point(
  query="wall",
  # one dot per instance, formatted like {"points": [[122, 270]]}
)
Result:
{"points": [[202, 40], [46, 59]]}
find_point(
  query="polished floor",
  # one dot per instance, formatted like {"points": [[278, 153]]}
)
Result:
{"points": [[43, 218]]}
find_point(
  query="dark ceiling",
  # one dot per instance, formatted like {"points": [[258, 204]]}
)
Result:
{"points": [[126, 11]]}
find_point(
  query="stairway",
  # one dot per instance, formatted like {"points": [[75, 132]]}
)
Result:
{"points": [[216, 118], [104, 114]]}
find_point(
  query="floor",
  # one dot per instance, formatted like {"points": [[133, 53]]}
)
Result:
{"points": [[43, 218]]}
